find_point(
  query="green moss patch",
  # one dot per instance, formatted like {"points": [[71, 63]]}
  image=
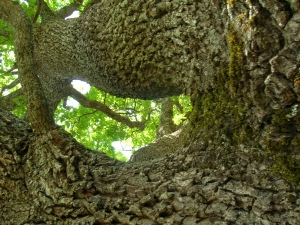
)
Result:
{"points": [[221, 118]]}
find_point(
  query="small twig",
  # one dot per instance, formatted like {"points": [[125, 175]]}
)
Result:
{"points": [[104, 109], [10, 86], [178, 105], [10, 70], [105, 95], [125, 113], [90, 113], [149, 115], [123, 149]]}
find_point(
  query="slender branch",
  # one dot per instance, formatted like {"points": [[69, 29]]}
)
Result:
{"points": [[85, 114], [38, 113], [10, 70], [38, 11], [103, 108], [149, 114], [123, 148], [105, 95], [10, 86], [178, 105], [7, 102]]}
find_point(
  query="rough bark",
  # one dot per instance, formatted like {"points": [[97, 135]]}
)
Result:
{"points": [[52, 179], [169, 136], [167, 144], [240, 165], [166, 124], [36, 103]]}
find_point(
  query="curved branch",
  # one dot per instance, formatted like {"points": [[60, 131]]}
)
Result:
{"points": [[38, 114], [103, 108]]}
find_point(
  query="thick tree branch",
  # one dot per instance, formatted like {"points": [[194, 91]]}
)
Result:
{"points": [[46, 13], [38, 115], [106, 110]]}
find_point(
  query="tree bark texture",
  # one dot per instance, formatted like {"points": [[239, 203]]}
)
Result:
{"points": [[51, 179], [239, 60], [39, 116]]}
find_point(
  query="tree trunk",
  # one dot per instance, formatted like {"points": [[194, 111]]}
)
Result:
{"points": [[51, 179], [239, 60]]}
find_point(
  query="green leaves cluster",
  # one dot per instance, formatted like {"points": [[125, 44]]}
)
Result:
{"points": [[97, 131], [7, 59], [29, 6], [6, 47]]}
